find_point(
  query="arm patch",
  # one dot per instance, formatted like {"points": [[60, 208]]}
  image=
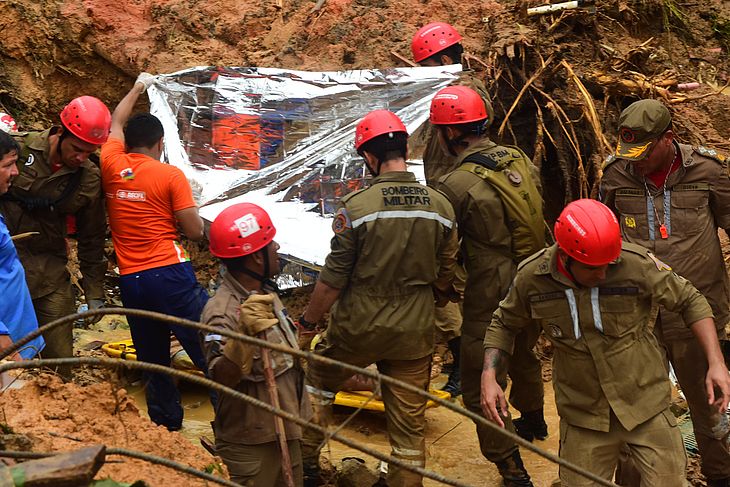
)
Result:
{"points": [[341, 222]]}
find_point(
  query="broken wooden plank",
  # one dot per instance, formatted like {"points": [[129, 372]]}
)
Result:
{"points": [[63, 470]]}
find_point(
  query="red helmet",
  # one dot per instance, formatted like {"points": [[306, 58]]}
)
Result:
{"points": [[587, 230], [239, 230], [377, 123], [88, 119], [7, 123], [456, 105], [433, 38]]}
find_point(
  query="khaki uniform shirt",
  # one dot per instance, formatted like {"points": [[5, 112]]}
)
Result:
{"points": [[44, 256], [437, 162], [486, 241], [393, 241], [237, 421], [606, 355], [694, 202]]}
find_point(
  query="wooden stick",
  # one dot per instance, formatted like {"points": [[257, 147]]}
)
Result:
{"points": [[402, 59], [286, 466], [24, 235]]}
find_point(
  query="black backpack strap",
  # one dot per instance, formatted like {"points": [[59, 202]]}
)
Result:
{"points": [[482, 160]]}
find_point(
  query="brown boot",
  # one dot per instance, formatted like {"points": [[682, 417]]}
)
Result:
{"points": [[513, 471]]}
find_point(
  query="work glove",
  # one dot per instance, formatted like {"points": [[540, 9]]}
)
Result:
{"points": [[146, 79], [257, 314], [94, 304], [240, 354]]}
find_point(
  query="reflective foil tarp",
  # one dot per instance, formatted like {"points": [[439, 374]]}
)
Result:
{"points": [[284, 139]]}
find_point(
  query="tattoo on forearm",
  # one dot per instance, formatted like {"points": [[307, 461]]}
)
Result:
{"points": [[496, 359]]}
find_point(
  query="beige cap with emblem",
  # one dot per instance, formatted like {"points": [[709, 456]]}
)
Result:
{"points": [[640, 124]]}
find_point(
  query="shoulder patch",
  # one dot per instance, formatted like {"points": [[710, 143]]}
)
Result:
{"points": [[542, 269], [659, 264], [710, 153], [341, 222]]}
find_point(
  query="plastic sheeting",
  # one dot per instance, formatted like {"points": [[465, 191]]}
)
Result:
{"points": [[283, 139]]}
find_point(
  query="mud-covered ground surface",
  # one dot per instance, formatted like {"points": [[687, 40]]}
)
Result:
{"points": [[58, 416]]}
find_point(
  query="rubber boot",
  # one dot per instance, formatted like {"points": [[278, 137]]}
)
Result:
{"points": [[718, 482], [310, 475], [453, 385], [531, 425], [513, 471]]}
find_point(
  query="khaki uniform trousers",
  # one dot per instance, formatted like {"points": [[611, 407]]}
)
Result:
{"points": [[59, 341], [655, 445], [710, 428], [260, 465], [405, 411], [526, 393]]}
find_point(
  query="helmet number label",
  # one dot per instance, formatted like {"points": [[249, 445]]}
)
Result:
{"points": [[247, 225]]}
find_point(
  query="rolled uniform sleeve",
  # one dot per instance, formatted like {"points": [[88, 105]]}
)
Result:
{"points": [[674, 292], [343, 252], [91, 235], [512, 316]]}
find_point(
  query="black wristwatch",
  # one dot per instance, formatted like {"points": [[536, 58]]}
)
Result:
{"points": [[306, 324]]}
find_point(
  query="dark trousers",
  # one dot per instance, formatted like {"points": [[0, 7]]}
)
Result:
{"points": [[172, 290]]}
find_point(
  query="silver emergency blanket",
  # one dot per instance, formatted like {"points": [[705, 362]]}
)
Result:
{"points": [[283, 139]]}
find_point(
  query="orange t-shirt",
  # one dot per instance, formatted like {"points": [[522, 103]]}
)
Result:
{"points": [[142, 196]]}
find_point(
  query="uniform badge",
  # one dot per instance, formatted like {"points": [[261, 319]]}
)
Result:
{"points": [[630, 222], [341, 222], [127, 173], [514, 177], [30, 160], [659, 264], [555, 331], [627, 135]]}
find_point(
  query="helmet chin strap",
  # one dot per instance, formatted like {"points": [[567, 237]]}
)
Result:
{"points": [[453, 143], [374, 173], [266, 279]]}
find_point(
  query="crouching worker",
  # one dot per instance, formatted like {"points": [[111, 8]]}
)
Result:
{"points": [[242, 236], [597, 301]]}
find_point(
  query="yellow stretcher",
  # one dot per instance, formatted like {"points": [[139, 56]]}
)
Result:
{"points": [[125, 350], [359, 399], [354, 399]]}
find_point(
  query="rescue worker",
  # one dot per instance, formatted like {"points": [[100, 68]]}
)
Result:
{"points": [[17, 317], [59, 186], [394, 246], [439, 44], [499, 211], [671, 198], [597, 301], [147, 200], [242, 236]]}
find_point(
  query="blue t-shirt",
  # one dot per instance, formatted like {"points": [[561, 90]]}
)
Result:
{"points": [[17, 316]]}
